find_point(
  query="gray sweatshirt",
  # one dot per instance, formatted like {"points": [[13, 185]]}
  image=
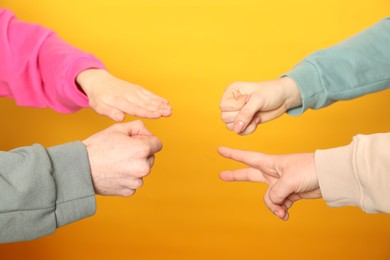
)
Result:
{"points": [[357, 174], [43, 189]]}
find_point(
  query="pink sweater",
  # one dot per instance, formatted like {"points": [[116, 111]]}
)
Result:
{"points": [[38, 68]]}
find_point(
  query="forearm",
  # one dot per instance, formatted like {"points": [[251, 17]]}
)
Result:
{"points": [[39, 69], [43, 189], [357, 174], [352, 68]]}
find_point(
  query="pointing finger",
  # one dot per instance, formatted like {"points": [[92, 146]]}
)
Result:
{"points": [[253, 159], [247, 174]]}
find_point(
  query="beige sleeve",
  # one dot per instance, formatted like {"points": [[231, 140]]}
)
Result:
{"points": [[357, 174]]}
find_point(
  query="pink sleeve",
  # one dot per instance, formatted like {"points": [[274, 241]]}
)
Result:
{"points": [[39, 69]]}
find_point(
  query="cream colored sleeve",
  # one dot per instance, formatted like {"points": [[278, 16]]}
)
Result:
{"points": [[357, 174]]}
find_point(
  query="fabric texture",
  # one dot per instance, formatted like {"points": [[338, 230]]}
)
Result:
{"points": [[42, 189], [357, 174], [350, 69], [38, 68]]}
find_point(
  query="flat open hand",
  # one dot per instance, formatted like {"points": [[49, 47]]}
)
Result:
{"points": [[114, 97]]}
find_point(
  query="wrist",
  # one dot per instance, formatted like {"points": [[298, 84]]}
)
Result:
{"points": [[292, 94], [85, 79]]}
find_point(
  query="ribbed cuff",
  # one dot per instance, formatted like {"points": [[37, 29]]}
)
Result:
{"points": [[71, 171], [309, 84], [337, 176]]}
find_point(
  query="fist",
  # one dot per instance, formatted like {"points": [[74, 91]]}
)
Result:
{"points": [[120, 157], [244, 105]]}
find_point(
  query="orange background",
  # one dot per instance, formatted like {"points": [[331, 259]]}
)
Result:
{"points": [[189, 51]]}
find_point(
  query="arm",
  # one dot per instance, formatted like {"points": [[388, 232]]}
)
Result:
{"points": [[289, 177], [352, 68], [354, 175], [43, 189], [357, 174], [39, 69]]}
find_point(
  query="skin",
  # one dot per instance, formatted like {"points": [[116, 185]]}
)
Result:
{"points": [[114, 97], [245, 105], [120, 157], [289, 177], [123, 154]]}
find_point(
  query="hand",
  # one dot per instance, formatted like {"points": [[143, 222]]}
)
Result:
{"points": [[114, 98], [120, 156], [244, 105], [289, 177]]}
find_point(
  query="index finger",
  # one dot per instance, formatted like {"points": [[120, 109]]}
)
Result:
{"points": [[248, 157], [232, 100], [246, 174], [154, 143]]}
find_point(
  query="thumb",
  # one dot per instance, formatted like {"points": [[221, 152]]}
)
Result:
{"points": [[133, 129], [281, 190], [246, 115], [111, 112]]}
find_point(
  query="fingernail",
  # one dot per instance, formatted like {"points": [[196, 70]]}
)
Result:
{"points": [[238, 127]]}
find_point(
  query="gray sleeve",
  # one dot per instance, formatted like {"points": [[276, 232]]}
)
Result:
{"points": [[43, 189]]}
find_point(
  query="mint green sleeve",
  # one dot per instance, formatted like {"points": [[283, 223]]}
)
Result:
{"points": [[43, 189], [352, 68]]}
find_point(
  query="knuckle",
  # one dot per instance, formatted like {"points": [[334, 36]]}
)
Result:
{"points": [[234, 85], [160, 144], [275, 197], [223, 105], [265, 200], [225, 117], [127, 192], [138, 183], [144, 150], [145, 170], [141, 170]]}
